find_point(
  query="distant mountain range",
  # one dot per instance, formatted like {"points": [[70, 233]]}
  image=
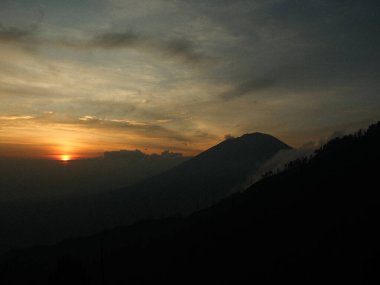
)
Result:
{"points": [[197, 183], [315, 222], [34, 179]]}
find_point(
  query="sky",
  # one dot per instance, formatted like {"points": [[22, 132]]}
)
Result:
{"points": [[82, 77]]}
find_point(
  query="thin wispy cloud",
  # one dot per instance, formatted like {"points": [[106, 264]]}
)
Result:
{"points": [[12, 118]]}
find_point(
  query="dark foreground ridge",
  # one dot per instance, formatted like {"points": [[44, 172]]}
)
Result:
{"points": [[315, 222]]}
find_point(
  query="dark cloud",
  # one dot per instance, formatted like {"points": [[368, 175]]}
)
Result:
{"points": [[248, 87], [177, 48], [116, 40], [185, 50], [313, 45], [181, 49], [13, 34]]}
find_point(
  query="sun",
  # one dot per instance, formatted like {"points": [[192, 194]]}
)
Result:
{"points": [[65, 157]]}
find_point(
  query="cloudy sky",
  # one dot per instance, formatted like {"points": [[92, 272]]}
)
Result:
{"points": [[82, 77]]}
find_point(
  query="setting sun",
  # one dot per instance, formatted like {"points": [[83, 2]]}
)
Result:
{"points": [[65, 157]]}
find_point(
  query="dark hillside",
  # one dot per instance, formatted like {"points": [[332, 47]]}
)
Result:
{"points": [[316, 222]]}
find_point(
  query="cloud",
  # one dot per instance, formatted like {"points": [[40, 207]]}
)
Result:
{"points": [[138, 155], [313, 45], [279, 160], [130, 122], [178, 48], [88, 118], [146, 129], [116, 40], [24, 91], [185, 50], [13, 34], [247, 87], [311, 65], [228, 137], [12, 118], [335, 134], [181, 49]]}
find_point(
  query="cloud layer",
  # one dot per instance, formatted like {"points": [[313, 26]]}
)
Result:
{"points": [[181, 74]]}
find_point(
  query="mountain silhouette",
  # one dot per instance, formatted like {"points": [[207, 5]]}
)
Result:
{"points": [[197, 183], [314, 222], [209, 176]]}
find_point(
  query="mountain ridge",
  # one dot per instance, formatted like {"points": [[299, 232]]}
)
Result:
{"points": [[205, 179], [308, 223]]}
